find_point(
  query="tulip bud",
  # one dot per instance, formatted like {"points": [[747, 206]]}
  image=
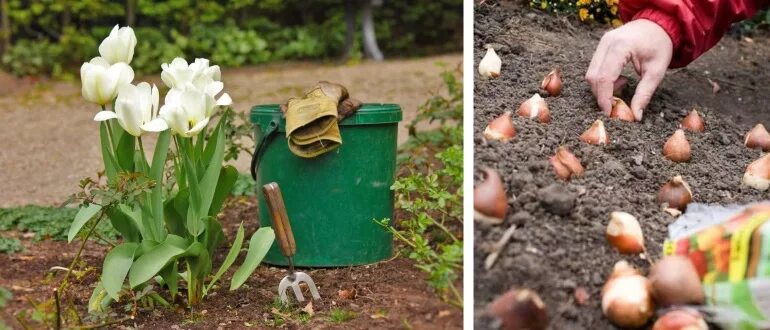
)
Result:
{"points": [[676, 193], [535, 107], [624, 233], [758, 138], [565, 164], [119, 45], [519, 309], [100, 79], [757, 173], [501, 128], [552, 82], [677, 148], [693, 122], [626, 299], [489, 67], [620, 110], [681, 319], [596, 134], [489, 201]]}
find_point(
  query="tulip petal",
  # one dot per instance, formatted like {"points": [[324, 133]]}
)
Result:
{"points": [[105, 115], [198, 127], [225, 100], [155, 125]]}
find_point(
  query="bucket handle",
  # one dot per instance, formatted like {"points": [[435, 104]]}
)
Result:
{"points": [[259, 149]]}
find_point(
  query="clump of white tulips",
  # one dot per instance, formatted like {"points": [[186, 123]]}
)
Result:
{"points": [[171, 232]]}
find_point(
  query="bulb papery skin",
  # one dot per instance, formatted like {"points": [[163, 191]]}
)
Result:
{"points": [[757, 174], [490, 64]]}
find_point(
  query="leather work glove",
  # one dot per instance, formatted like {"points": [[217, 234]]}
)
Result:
{"points": [[312, 121]]}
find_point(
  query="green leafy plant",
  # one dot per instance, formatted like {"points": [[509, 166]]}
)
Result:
{"points": [[339, 315], [429, 193], [46, 222], [9, 245]]}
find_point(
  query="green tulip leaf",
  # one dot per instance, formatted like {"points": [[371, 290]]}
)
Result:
{"points": [[116, 265], [258, 245], [230, 259], [152, 261], [83, 215]]}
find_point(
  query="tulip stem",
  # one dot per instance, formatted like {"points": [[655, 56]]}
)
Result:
{"points": [[109, 130], [144, 156]]}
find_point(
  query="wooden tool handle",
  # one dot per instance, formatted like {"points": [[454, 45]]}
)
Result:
{"points": [[281, 223]]}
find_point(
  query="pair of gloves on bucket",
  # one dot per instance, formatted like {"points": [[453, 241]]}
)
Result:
{"points": [[312, 121]]}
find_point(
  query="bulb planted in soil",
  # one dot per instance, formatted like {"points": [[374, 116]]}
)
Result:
{"points": [[676, 193], [758, 138], [552, 82], [596, 134], [675, 281], [565, 164], [626, 298], [693, 122], [757, 173], [681, 319], [624, 233], [501, 128], [677, 148], [620, 110], [519, 309], [490, 203], [535, 108], [490, 65]]}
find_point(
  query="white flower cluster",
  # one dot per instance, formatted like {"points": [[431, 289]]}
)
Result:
{"points": [[194, 96]]}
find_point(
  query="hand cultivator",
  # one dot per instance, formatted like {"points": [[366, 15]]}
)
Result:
{"points": [[288, 246]]}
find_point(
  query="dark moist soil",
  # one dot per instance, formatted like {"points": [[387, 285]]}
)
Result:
{"points": [[389, 294], [554, 254]]}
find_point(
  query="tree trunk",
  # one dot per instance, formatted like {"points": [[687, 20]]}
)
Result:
{"points": [[370, 39], [130, 12], [350, 31]]}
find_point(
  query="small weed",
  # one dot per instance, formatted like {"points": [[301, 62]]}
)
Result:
{"points": [[244, 185], [9, 245], [304, 318], [5, 296], [339, 315], [45, 222]]}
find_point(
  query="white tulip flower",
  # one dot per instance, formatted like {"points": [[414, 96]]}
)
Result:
{"points": [[187, 112], [198, 75], [119, 45], [101, 80], [136, 109]]}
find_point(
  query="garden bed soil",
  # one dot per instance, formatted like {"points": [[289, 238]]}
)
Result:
{"points": [[389, 294], [554, 254]]}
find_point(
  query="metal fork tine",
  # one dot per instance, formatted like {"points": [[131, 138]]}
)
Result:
{"points": [[285, 282], [302, 277]]}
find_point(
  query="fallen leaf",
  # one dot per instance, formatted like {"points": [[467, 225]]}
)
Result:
{"points": [[444, 313], [674, 212], [347, 294], [309, 309], [714, 86]]}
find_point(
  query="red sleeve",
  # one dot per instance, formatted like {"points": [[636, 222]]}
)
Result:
{"points": [[693, 25]]}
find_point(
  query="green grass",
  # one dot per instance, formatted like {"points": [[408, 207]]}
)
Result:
{"points": [[45, 222], [339, 315], [9, 245]]}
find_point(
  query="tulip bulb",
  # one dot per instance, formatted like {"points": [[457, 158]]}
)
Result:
{"points": [[535, 107], [565, 164], [676, 193], [758, 138], [519, 309], [757, 173], [676, 148], [624, 233], [489, 67], [693, 122], [552, 82], [620, 110], [675, 281], [626, 298], [489, 201], [681, 319], [596, 134], [501, 128]]}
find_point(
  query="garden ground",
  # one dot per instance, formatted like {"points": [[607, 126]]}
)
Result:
{"points": [[50, 141], [553, 254], [48, 130]]}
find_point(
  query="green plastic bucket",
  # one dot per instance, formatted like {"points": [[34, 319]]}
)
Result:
{"points": [[332, 200]]}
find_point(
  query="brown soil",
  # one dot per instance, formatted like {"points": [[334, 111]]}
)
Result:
{"points": [[555, 254], [49, 140], [390, 294]]}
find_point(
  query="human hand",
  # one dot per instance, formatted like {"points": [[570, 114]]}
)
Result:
{"points": [[643, 43]]}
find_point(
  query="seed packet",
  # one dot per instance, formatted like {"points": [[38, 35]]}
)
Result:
{"points": [[732, 258]]}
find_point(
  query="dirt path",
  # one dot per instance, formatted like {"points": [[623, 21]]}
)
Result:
{"points": [[48, 140], [559, 244]]}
